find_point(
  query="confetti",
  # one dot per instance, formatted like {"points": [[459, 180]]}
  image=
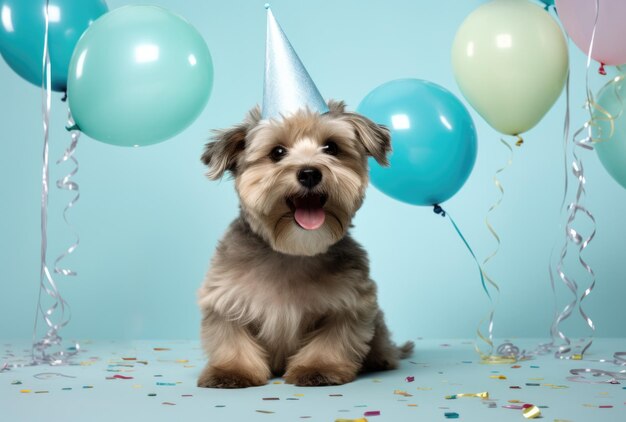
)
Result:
{"points": [[66, 388], [41, 392], [412, 405], [483, 395], [169, 403], [372, 413], [402, 393], [516, 387], [16, 382], [24, 391], [265, 411], [336, 395], [451, 415], [87, 386], [277, 382], [606, 406], [498, 377], [161, 349], [531, 412], [151, 394], [516, 366], [120, 377], [351, 420], [166, 383], [271, 398], [129, 358], [532, 384], [410, 379]]}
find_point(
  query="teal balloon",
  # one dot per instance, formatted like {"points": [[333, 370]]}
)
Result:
{"points": [[611, 139], [22, 30], [139, 75], [432, 136]]}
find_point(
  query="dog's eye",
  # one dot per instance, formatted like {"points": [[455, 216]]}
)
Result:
{"points": [[330, 148], [278, 153]]}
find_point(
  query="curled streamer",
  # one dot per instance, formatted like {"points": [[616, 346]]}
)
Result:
{"points": [[66, 183], [582, 138], [489, 357], [40, 349]]}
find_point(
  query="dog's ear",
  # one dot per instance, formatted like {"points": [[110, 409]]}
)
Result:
{"points": [[221, 154], [375, 138]]}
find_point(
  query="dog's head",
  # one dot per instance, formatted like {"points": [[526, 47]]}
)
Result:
{"points": [[300, 180]]}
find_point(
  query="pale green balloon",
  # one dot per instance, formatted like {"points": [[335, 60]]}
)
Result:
{"points": [[611, 139], [510, 61], [139, 75]]}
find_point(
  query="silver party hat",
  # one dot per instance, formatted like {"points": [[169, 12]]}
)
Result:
{"points": [[288, 86]]}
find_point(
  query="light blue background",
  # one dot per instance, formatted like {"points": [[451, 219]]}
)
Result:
{"points": [[149, 220]]}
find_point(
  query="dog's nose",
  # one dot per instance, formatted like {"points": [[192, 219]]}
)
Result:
{"points": [[309, 177]]}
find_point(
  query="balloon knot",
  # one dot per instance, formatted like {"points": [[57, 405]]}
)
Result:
{"points": [[438, 210], [266, 5], [601, 70], [520, 141], [64, 99], [73, 127]]}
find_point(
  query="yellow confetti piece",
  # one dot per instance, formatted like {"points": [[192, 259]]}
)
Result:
{"points": [[531, 412], [377, 380], [137, 386], [498, 377], [299, 395], [24, 391], [424, 388], [412, 405], [577, 357], [535, 379], [277, 382], [514, 401], [351, 420], [182, 361], [402, 393], [483, 395]]}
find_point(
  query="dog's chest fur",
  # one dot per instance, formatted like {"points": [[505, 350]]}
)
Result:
{"points": [[281, 298]]}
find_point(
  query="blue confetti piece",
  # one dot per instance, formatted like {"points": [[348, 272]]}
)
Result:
{"points": [[451, 415]]}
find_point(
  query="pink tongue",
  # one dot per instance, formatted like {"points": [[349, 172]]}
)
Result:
{"points": [[310, 218]]}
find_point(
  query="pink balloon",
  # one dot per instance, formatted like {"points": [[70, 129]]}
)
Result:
{"points": [[609, 44]]}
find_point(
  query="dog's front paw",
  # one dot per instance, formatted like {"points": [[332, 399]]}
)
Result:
{"points": [[311, 376], [213, 377]]}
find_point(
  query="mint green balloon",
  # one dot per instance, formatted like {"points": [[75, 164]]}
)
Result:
{"points": [[139, 75], [611, 141]]}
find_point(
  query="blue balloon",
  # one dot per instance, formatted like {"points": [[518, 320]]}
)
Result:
{"points": [[432, 136], [22, 30]]}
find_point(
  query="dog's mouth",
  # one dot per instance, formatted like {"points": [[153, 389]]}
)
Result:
{"points": [[308, 210]]}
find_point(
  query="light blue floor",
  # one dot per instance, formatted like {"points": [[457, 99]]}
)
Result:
{"points": [[163, 388]]}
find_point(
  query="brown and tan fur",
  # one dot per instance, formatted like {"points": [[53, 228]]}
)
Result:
{"points": [[281, 300]]}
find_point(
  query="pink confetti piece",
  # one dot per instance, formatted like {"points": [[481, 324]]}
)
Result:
{"points": [[122, 377], [606, 406], [372, 413], [410, 379]]}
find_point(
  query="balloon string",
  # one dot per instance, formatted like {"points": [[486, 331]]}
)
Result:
{"points": [[564, 351], [489, 356], [66, 183], [47, 284], [439, 210]]}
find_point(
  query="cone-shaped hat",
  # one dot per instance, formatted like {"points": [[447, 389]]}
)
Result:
{"points": [[288, 86]]}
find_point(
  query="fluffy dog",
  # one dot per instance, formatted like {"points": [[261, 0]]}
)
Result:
{"points": [[288, 292]]}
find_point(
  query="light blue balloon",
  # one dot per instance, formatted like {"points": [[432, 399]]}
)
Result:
{"points": [[22, 30], [432, 136], [139, 75], [611, 133]]}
